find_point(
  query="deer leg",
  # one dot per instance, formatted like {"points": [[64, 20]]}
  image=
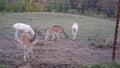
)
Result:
{"points": [[73, 34], [53, 37], [58, 36], [31, 51], [16, 36], [46, 36], [25, 55]]}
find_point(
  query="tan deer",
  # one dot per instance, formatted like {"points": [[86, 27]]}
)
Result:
{"points": [[55, 30], [28, 44]]}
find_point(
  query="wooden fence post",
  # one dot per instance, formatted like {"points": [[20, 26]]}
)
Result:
{"points": [[116, 32]]}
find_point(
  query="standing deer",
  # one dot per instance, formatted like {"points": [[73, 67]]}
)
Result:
{"points": [[28, 43], [74, 30], [55, 30]]}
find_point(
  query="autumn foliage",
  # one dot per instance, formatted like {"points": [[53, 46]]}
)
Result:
{"points": [[99, 8]]}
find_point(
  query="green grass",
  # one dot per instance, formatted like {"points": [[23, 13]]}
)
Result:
{"points": [[105, 65], [100, 65], [44, 20], [5, 66]]}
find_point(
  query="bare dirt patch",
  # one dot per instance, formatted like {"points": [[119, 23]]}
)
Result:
{"points": [[64, 54]]}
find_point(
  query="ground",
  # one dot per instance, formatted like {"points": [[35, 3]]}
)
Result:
{"points": [[65, 53]]}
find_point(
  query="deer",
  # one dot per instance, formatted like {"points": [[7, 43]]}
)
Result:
{"points": [[55, 30], [74, 30], [37, 31], [27, 43], [23, 28]]}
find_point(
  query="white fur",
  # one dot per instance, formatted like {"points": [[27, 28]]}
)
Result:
{"points": [[21, 27], [74, 30]]}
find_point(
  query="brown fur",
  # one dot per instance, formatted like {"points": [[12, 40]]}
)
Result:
{"points": [[26, 40], [27, 43], [56, 29], [59, 29]]}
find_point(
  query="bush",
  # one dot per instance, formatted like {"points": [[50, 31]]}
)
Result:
{"points": [[62, 7], [73, 11], [3, 3], [102, 15], [92, 13], [50, 7], [15, 8], [18, 8]]}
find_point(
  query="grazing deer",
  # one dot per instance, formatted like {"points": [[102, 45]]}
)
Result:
{"points": [[55, 30], [28, 44], [37, 31], [74, 30], [24, 28]]}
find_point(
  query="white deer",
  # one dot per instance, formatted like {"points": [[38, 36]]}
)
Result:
{"points": [[74, 30], [24, 28]]}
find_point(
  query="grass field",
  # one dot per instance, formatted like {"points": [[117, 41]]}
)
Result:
{"points": [[106, 65], [87, 25]]}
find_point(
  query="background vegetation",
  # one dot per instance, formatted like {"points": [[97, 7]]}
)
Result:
{"points": [[96, 8]]}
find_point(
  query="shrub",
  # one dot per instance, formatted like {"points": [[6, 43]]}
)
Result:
{"points": [[50, 7], [15, 8], [73, 11], [62, 7], [3, 3], [92, 13], [18, 8], [102, 15]]}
